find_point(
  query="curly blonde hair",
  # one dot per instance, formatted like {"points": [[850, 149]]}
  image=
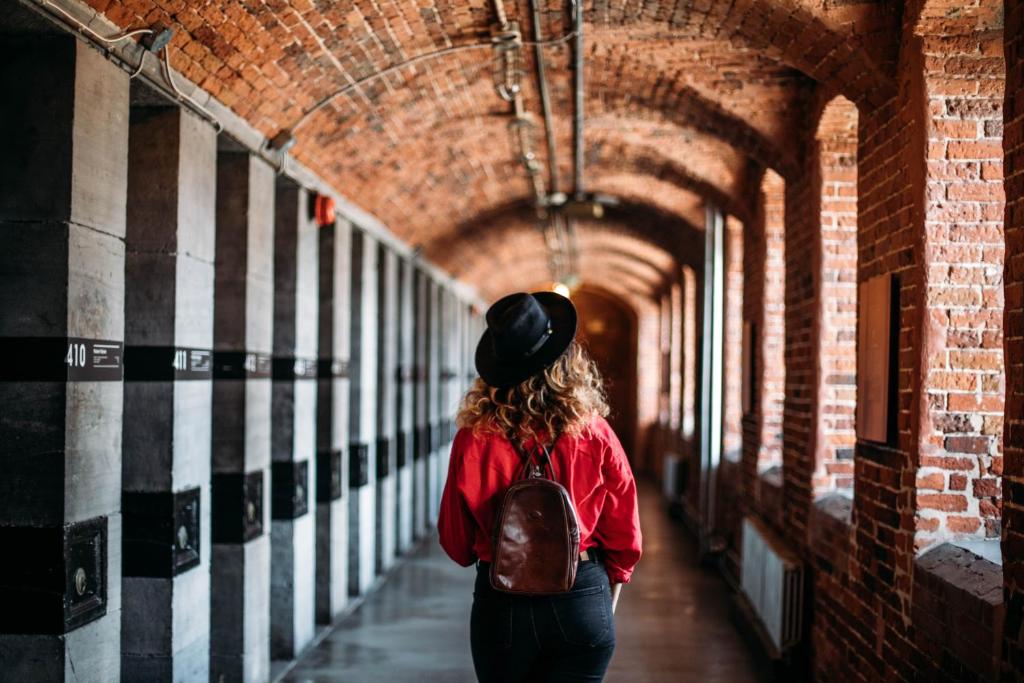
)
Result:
{"points": [[560, 400]]}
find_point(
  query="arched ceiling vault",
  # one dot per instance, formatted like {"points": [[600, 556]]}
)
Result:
{"points": [[527, 270], [685, 99], [624, 251], [644, 223], [463, 153]]}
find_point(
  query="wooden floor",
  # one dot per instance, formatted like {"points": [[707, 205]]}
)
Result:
{"points": [[671, 624]]}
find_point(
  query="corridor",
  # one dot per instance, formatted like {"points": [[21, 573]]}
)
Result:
{"points": [[247, 254], [416, 626]]}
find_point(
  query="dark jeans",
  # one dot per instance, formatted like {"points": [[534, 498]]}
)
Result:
{"points": [[550, 638]]}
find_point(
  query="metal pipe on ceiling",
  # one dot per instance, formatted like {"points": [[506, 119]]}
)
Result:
{"points": [[578, 88], [545, 100], [499, 11]]}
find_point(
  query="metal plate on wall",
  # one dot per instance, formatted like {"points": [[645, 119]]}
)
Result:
{"points": [[418, 447], [59, 581], [85, 572], [329, 484], [383, 457], [401, 444], [329, 476], [237, 507], [161, 532], [358, 465], [289, 489]]}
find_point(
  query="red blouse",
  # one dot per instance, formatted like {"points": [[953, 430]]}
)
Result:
{"points": [[592, 467]]}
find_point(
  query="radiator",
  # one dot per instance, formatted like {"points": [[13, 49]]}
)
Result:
{"points": [[772, 581]]}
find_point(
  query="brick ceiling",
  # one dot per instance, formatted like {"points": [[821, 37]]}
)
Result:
{"points": [[685, 101]]}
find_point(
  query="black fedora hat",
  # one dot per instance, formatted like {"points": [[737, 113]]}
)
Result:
{"points": [[525, 334]]}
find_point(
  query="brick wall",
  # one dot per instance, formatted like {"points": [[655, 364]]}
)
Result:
{"points": [[837, 307], [957, 616], [773, 324], [802, 284], [962, 404], [648, 364], [732, 430], [1013, 471], [676, 355], [866, 620], [690, 351], [862, 559], [753, 315]]}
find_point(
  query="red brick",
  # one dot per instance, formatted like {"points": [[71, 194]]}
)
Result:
{"points": [[967, 525], [942, 501]]}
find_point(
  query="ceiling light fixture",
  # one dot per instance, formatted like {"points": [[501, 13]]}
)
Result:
{"points": [[158, 38]]}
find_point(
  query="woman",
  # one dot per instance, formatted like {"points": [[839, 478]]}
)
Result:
{"points": [[537, 384]]}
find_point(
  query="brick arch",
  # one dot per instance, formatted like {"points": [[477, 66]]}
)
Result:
{"points": [[637, 256], [516, 271], [528, 270], [623, 82], [268, 62], [475, 139], [799, 35], [838, 121], [470, 119], [635, 174], [657, 164], [507, 252], [474, 166], [669, 233]]}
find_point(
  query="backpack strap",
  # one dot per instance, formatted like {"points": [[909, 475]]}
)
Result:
{"points": [[527, 459]]}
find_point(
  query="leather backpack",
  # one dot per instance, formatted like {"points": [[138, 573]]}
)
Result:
{"points": [[536, 536]]}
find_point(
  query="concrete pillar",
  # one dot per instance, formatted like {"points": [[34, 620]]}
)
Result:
{"points": [[172, 164], [387, 364], [421, 446], [450, 349], [463, 340], [243, 320], [293, 430], [433, 380], [434, 398], [405, 417], [363, 415], [473, 332], [62, 225], [332, 422]]}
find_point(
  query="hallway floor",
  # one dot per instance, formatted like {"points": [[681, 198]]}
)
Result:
{"points": [[671, 624]]}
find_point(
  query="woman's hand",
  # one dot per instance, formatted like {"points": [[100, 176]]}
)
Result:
{"points": [[616, 589]]}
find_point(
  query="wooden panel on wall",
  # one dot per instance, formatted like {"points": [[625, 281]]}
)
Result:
{"points": [[874, 337]]}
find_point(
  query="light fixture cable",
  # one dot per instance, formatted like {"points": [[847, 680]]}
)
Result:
{"points": [[82, 26], [182, 96], [412, 61]]}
